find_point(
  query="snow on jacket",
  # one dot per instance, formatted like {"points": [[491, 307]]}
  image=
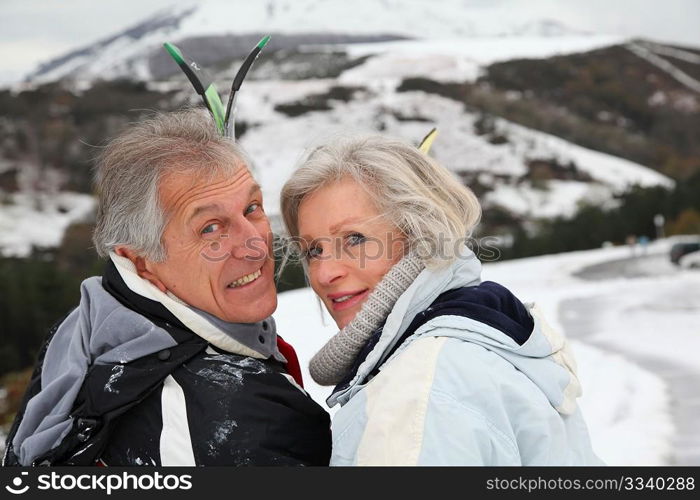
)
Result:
{"points": [[122, 380], [480, 380]]}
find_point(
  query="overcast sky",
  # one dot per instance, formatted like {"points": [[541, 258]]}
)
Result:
{"points": [[33, 31]]}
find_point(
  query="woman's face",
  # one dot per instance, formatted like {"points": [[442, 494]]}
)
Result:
{"points": [[349, 247]]}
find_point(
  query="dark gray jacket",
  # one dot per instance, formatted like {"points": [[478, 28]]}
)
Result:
{"points": [[122, 381]]}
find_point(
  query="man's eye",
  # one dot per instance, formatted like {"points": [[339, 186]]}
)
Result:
{"points": [[355, 239], [210, 228], [252, 208]]}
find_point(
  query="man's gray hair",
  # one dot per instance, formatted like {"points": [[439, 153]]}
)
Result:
{"points": [[131, 167], [432, 208]]}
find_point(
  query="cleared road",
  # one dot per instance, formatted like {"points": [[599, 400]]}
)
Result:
{"points": [[582, 317]]}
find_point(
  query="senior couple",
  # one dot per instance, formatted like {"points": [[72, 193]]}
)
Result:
{"points": [[172, 357]]}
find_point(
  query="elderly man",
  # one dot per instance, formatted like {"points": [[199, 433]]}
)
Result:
{"points": [[172, 357]]}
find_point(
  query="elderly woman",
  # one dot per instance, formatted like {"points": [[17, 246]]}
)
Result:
{"points": [[431, 365]]}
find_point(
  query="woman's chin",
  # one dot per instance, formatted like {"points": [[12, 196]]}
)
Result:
{"points": [[344, 317], [344, 320]]}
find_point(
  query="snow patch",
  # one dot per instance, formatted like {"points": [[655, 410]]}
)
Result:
{"points": [[471, 52], [558, 199], [39, 220], [117, 371], [626, 409]]}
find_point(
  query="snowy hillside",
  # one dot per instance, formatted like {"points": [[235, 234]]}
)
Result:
{"points": [[127, 54], [501, 169]]}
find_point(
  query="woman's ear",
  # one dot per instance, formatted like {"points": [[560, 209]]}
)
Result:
{"points": [[143, 267]]}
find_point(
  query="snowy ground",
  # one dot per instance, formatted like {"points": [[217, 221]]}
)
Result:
{"points": [[628, 407], [648, 312]]}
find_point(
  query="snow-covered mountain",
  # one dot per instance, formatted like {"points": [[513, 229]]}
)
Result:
{"points": [[130, 53], [288, 103]]}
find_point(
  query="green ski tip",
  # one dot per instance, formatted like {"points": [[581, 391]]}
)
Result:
{"points": [[174, 52], [263, 42], [211, 96]]}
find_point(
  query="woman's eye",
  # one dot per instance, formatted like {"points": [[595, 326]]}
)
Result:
{"points": [[313, 252], [355, 239], [252, 208], [210, 228]]}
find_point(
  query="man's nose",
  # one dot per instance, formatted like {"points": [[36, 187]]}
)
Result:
{"points": [[248, 242]]}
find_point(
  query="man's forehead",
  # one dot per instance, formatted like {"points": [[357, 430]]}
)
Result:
{"points": [[203, 207], [194, 176], [193, 191]]}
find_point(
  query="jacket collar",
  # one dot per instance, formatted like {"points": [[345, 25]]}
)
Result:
{"points": [[464, 271], [257, 340]]}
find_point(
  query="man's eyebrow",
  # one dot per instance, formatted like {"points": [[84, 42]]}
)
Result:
{"points": [[211, 207], [255, 187]]}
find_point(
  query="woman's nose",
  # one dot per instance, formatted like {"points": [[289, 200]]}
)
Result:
{"points": [[329, 270]]}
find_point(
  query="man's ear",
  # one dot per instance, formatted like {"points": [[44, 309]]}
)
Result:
{"points": [[142, 267]]}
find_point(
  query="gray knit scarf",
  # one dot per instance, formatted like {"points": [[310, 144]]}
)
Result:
{"points": [[330, 365]]}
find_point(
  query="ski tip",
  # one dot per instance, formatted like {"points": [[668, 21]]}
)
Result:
{"points": [[174, 52], [428, 140], [263, 42], [213, 101]]}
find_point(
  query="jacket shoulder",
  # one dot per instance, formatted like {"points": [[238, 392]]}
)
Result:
{"points": [[224, 409], [407, 416], [515, 411], [480, 377], [10, 457]]}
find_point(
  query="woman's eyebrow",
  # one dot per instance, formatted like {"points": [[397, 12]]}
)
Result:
{"points": [[334, 228], [305, 240], [308, 240]]}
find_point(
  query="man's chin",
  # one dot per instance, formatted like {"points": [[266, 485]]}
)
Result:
{"points": [[250, 303], [256, 310]]}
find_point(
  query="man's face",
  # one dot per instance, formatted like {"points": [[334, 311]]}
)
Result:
{"points": [[219, 247]]}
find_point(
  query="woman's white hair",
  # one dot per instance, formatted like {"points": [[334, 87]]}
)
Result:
{"points": [[432, 208], [132, 166]]}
